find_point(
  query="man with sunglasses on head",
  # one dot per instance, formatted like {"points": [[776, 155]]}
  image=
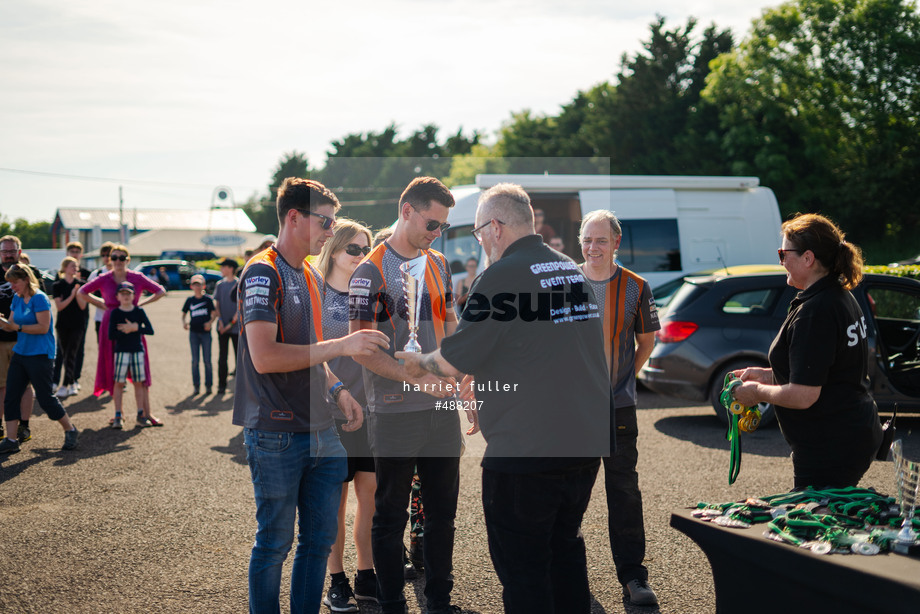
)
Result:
{"points": [[295, 457], [405, 428]]}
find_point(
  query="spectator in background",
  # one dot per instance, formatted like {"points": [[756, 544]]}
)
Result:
{"points": [[104, 250], [75, 251], [462, 287], [10, 252], [24, 258], [544, 230], [162, 277], [557, 244], [127, 325], [267, 241], [107, 285], [70, 325], [228, 325], [33, 357], [199, 308], [382, 235]]}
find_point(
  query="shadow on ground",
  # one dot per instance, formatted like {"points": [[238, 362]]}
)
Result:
{"points": [[708, 432]]}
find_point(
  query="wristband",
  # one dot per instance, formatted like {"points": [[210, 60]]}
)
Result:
{"points": [[336, 390], [20, 329]]}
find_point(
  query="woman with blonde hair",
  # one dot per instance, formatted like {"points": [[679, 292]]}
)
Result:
{"points": [[107, 285], [818, 376], [337, 261], [33, 357]]}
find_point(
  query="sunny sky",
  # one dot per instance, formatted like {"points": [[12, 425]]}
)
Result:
{"points": [[172, 98]]}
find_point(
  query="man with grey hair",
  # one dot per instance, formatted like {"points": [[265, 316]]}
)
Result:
{"points": [[630, 321], [531, 330]]}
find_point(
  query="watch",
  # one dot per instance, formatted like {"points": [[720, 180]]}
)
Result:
{"points": [[20, 329]]}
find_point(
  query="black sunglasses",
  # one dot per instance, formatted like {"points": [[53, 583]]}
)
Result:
{"points": [[118, 258], [328, 222], [353, 249], [782, 253], [431, 225]]}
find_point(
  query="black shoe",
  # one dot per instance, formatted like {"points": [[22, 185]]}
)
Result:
{"points": [[70, 439], [221, 391], [451, 609], [8, 447], [197, 391], [638, 592], [340, 598], [23, 434], [207, 390], [366, 587]]}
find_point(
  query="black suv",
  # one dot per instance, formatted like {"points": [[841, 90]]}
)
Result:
{"points": [[718, 323]]}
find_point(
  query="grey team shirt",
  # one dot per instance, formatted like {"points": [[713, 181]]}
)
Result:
{"points": [[377, 295], [285, 402]]}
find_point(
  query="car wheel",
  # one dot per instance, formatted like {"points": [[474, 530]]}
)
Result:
{"points": [[767, 414]]}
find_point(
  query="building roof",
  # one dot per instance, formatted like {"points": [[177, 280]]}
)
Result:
{"points": [[153, 242], [152, 219]]}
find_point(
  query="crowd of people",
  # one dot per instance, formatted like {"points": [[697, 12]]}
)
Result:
{"points": [[329, 390], [121, 327]]}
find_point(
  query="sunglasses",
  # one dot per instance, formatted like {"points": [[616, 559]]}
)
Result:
{"points": [[353, 249], [328, 222], [431, 225], [118, 258], [782, 253]]}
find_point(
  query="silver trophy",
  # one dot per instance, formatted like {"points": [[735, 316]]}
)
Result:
{"points": [[413, 274], [907, 473]]}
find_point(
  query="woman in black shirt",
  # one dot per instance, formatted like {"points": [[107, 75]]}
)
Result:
{"points": [[70, 325], [818, 380]]}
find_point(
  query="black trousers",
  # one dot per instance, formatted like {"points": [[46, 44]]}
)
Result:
{"points": [[428, 440], [223, 347], [69, 344], [35, 370], [533, 522], [625, 523]]}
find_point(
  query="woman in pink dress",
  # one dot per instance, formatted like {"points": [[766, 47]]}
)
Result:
{"points": [[107, 286]]}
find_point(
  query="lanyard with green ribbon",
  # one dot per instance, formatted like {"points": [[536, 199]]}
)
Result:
{"points": [[740, 418], [851, 519]]}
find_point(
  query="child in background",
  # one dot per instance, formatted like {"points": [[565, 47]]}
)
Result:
{"points": [[126, 325], [200, 308]]}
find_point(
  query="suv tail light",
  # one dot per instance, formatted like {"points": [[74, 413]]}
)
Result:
{"points": [[675, 332]]}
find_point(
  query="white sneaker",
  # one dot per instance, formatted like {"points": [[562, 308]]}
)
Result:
{"points": [[76, 387], [63, 391]]}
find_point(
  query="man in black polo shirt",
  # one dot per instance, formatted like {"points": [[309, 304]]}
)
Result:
{"points": [[531, 336]]}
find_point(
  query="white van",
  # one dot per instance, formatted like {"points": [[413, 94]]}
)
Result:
{"points": [[672, 225]]}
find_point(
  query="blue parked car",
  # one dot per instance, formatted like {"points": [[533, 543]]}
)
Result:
{"points": [[178, 273]]}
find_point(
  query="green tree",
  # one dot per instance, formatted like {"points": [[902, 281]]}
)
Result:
{"points": [[33, 235], [822, 102], [261, 210]]}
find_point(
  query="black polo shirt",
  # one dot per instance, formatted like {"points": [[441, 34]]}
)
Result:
{"points": [[531, 335], [823, 343]]}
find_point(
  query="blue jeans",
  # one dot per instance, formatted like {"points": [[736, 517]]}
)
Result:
{"points": [[201, 345], [294, 475]]}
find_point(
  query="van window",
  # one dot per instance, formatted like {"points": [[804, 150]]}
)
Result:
{"points": [[459, 246], [650, 245]]}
